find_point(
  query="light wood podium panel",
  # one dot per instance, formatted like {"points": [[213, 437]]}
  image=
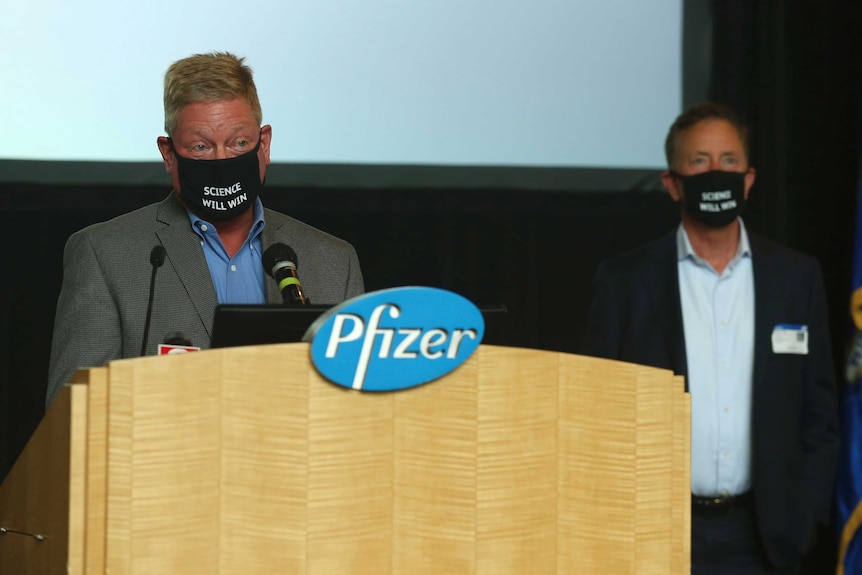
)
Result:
{"points": [[244, 460]]}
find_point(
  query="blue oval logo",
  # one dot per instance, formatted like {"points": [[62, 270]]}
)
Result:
{"points": [[395, 338]]}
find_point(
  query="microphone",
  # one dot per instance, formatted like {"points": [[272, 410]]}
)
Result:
{"points": [[280, 262], [177, 338], [157, 258]]}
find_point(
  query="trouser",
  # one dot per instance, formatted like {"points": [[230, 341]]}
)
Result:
{"points": [[726, 542]]}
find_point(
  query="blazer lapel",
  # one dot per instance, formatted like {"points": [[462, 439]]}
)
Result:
{"points": [[766, 313], [670, 312], [675, 328], [186, 258]]}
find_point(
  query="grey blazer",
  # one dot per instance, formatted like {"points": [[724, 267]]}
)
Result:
{"points": [[102, 306]]}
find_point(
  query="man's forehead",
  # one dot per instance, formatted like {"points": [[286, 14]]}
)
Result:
{"points": [[707, 135], [712, 127], [231, 113]]}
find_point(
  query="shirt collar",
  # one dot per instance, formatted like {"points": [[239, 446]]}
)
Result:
{"points": [[256, 226], [684, 249]]}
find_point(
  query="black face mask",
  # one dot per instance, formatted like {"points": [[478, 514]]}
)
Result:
{"points": [[219, 190], [713, 198]]}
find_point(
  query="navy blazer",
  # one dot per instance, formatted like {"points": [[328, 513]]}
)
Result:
{"points": [[636, 316]]}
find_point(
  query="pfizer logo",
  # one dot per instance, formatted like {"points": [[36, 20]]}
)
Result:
{"points": [[395, 338]]}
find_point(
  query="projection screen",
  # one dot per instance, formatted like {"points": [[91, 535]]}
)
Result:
{"points": [[541, 93]]}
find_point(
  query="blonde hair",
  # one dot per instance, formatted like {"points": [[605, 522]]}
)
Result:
{"points": [[207, 78]]}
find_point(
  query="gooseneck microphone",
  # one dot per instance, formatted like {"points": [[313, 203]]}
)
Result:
{"points": [[280, 262], [157, 258]]}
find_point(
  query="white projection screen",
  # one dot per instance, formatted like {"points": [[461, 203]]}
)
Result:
{"points": [[415, 92]]}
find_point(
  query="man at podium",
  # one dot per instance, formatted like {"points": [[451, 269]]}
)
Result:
{"points": [[745, 321], [201, 245]]}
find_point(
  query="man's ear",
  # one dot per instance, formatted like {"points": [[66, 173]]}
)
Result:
{"points": [[749, 180], [167, 152], [673, 186], [265, 140]]}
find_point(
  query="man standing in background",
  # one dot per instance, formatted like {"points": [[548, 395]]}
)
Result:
{"points": [[745, 321]]}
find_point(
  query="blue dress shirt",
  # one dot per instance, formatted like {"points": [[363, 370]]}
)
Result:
{"points": [[238, 279], [718, 319]]}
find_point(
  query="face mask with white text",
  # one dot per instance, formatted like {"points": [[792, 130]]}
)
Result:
{"points": [[219, 190], [713, 198]]}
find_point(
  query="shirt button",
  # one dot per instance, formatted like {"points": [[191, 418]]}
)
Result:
{"points": [[726, 409], [232, 268], [204, 227]]}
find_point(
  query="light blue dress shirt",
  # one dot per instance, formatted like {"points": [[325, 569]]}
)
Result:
{"points": [[238, 279], [718, 319]]}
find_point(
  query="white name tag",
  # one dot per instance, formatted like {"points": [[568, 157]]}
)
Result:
{"points": [[790, 338]]}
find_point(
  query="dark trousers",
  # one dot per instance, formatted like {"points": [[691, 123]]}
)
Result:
{"points": [[728, 544]]}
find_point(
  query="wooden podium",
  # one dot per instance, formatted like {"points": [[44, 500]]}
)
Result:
{"points": [[244, 460]]}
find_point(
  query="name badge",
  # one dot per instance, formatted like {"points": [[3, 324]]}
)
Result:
{"points": [[790, 338]]}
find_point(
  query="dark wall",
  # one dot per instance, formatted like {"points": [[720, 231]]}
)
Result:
{"points": [[532, 251]]}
